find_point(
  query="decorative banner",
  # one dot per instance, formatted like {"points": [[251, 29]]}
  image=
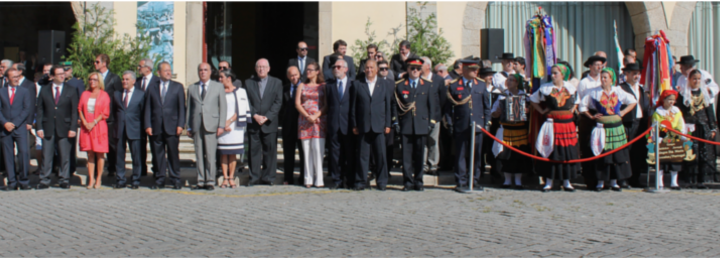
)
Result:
{"points": [[157, 20], [619, 50]]}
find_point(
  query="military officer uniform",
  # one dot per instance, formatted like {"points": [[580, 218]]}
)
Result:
{"points": [[416, 111], [468, 101]]}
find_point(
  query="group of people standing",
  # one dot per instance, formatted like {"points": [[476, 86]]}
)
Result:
{"points": [[356, 117]]}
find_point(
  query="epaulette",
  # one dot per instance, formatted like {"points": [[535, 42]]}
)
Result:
{"points": [[478, 78], [454, 80], [398, 82]]}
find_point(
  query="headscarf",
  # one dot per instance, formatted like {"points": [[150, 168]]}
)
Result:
{"points": [[664, 95], [612, 73], [564, 70], [686, 91]]}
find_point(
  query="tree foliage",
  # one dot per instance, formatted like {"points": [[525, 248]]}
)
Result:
{"points": [[96, 36]]}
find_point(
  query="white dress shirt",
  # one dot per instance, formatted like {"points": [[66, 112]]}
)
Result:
{"points": [[596, 94], [344, 85], [147, 78], [636, 92], [586, 84], [104, 74], [128, 94], [55, 89], [371, 84], [301, 64]]}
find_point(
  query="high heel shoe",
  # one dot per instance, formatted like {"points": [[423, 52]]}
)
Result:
{"points": [[98, 184], [224, 184], [90, 184], [233, 184]]}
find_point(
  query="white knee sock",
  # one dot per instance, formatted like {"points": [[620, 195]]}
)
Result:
{"points": [[508, 179], [613, 183], [601, 184], [518, 179], [661, 179], [548, 183], [566, 184], [673, 180]]}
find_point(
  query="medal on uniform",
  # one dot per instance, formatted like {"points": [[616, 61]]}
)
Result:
{"points": [[405, 94], [460, 88]]}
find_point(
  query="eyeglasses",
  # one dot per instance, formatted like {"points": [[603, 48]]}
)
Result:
{"points": [[383, 68], [415, 68], [311, 70], [337, 67], [303, 49]]}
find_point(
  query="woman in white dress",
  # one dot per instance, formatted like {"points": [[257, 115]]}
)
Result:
{"points": [[230, 143]]}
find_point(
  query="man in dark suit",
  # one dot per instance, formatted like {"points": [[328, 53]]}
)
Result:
{"points": [[398, 62], [470, 102], [372, 51], [265, 94], [113, 84], [415, 104], [432, 150], [338, 95], [636, 122], [15, 106], [164, 121], [384, 74], [128, 107], [301, 61], [290, 128], [146, 81], [57, 124], [370, 121], [79, 85], [339, 50]]}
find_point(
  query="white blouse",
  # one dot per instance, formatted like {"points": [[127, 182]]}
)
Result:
{"points": [[596, 94]]}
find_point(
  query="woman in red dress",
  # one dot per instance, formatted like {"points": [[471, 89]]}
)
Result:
{"points": [[94, 108]]}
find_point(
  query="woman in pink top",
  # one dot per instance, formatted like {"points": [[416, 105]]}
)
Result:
{"points": [[94, 108]]}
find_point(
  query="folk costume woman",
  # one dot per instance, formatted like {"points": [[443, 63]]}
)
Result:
{"points": [[559, 104], [513, 133], [695, 103], [607, 100], [670, 116]]}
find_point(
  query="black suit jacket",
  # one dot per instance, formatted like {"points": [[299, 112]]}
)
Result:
{"points": [[438, 84], [294, 62], [113, 84], [327, 70], [289, 112], [371, 114], [338, 110], [269, 106], [129, 119], [168, 116], [154, 81], [57, 120], [17, 113], [30, 86], [397, 65], [643, 103], [426, 112]]}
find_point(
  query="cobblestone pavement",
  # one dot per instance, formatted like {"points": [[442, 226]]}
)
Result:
{"points": [[291, 221]]}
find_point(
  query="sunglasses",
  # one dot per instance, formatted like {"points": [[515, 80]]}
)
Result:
{"points": [[303, 49], [223, 68], [97, 62], [383, 69], [415, 68]]}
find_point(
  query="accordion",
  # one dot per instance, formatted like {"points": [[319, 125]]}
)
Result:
{"points": [[514, 110]]}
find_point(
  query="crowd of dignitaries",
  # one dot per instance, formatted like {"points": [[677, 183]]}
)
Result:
{"points": [[355, 119]]}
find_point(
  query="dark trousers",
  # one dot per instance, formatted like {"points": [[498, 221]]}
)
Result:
{"points": [[64, 147], [638, 151], [17, 174], [371, 145], [137, 163], [462, 151], [263, 152], [342, 159], [143, 154], [389, 152], [413, 153], [112, 152], [166, 144], [290, 143]]}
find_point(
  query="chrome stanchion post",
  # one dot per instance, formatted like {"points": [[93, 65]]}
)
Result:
{"points": [[472, 160], [658, 176]]}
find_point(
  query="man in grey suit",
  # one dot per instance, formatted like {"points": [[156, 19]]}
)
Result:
{"points": [[265, 94], [206, 113]]}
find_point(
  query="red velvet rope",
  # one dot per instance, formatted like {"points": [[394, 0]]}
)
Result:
{"points": [[692, 137], [570, 161]]}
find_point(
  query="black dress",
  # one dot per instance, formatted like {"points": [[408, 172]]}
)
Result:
{"points": [[560, 103], [703, 117]]}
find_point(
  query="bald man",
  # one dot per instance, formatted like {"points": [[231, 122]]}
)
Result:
{"points": [[265, 94]]}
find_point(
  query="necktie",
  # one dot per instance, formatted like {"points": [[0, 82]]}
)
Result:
{"points": [[202, 90], [125, 100], [164, 91], [57, 94], [341, 91], [292, 91], [12, 95], [143, 84], [414, 85], [302, 66]]}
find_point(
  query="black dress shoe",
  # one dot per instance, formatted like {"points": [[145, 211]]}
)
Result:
{"points": [[568, 189], [7, 188], [519, 187], [358, 188], [506, 186], [65, 186], [42, 186], [547, 189], [209, 187], [616, 188], [460, 188], [25, 187], [196, 187], [381, 188], [135, 186], [119, 186], [675, 188], [177, 187], [419, 188], [155, 187], [701, 186], [407, 188], [333, 186]]}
